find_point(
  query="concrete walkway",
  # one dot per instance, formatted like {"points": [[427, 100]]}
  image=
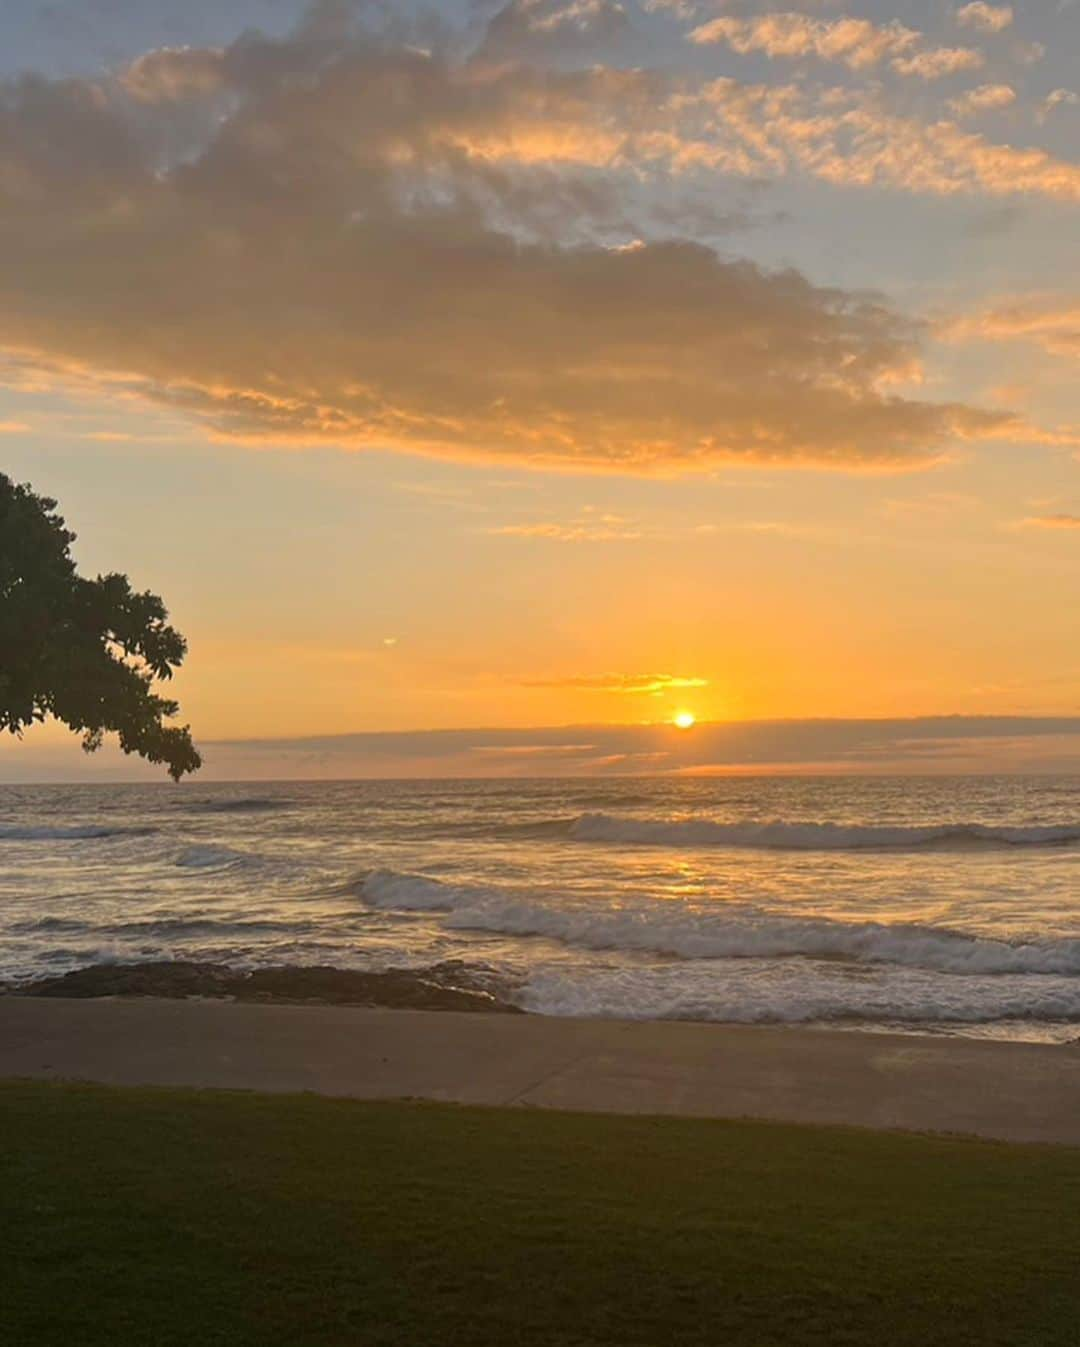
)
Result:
{"points": [[1013, 1091]]}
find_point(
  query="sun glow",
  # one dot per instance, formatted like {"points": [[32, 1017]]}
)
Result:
{"points": [[683, 720]]}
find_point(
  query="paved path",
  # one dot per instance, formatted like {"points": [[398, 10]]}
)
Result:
{"points": [[1014, 1091]]}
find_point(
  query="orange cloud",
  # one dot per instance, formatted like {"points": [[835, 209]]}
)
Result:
{"points": [[986, 98], [938, 62], [857, 43], [588, 528], [989, 18], [357, 249], [1051, 321], [1053, 521], [647, 684]]}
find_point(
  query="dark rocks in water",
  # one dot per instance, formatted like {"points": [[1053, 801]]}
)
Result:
{"points": [[171, 979], [402, 988], [447, 986]]}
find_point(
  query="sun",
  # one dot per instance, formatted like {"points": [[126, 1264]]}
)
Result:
{"points": [[683, 720]]}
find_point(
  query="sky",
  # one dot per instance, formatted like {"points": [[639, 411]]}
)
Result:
{"points": [[560, 364]]}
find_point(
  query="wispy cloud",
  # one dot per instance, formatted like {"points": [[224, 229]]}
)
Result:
{"points": [[599, 526], [534, 750], [1058, 98], [1050, 321], [1052, 521], [635, 685], [586, 528], [857, 43]]}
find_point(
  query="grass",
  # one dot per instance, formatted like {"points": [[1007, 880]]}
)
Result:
{"points": [[164, 1217]]}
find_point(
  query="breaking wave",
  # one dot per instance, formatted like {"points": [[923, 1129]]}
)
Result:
{"points": [[783, 836], [691, 933]]}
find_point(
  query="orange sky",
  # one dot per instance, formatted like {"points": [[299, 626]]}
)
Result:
{"points": [[570, 366]]}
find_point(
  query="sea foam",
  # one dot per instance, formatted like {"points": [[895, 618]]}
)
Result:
{"points": [[720, 932]]}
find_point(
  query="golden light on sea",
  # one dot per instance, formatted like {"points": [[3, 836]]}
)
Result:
{"points": [[683, 720]]}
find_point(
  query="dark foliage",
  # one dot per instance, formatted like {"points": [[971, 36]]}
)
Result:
{"points": [[84, 651]]}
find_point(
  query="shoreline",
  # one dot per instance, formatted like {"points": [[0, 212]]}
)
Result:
{"points": [[450, 985], [985, 1088]]}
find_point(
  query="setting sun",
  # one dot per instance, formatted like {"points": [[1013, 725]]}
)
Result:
{"points": [[683, 720]]}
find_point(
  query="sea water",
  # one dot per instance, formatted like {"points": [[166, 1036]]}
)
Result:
{"points": [[928, 905]]}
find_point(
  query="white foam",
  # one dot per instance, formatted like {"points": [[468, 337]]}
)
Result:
{"points": [[797, 992], [664, 927], [784, 836]]}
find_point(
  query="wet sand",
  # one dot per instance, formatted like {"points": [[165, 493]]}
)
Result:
{"points": [[1010, 1091]]}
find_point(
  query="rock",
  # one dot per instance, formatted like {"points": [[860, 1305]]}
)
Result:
{"points": [[447, 986], [413, 989], [173, 978]]}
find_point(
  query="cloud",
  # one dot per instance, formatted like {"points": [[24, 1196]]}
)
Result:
{"points": [[986, 98], [987, 18], [175, 74], [938, 62], [535, 750], [857, 43], [1051, 321], [352, 258], [588, 528], [13, 427], [533, 29], [944, 743], [849, 137], [1028, 53], [645, 684], [1052, 521], [1057, 98]]}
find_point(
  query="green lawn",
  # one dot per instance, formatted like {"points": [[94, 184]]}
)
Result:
{"points": [[157, 1217]]}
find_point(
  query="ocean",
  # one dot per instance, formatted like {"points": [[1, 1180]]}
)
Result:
{"points": [[934, 905]]}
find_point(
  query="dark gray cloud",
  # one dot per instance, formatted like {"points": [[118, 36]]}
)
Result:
{"points": [[927, 743], [997, 744]]}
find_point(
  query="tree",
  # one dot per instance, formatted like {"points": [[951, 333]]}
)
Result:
{"points": [[85, 651]]}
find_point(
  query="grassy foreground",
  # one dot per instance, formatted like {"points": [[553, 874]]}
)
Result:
{"points": [[165, 1217]]}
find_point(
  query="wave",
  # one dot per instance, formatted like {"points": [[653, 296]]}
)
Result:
{"points": [[783, 836], [203, 857], [663, 928], [167, 926], [80, 832], [255, 804]]}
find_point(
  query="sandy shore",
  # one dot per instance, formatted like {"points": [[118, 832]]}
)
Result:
{"points": [[1012, 1091]]}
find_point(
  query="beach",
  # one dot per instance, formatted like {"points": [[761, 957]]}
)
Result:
{"points": [[1007, 1091]]}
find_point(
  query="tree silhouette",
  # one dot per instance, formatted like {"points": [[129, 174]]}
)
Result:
{"points": [[84, 651]]}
